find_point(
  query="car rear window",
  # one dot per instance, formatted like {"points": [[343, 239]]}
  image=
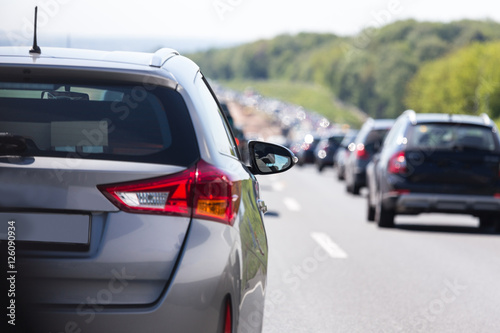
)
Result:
{"points": [[335, 140], [452, 136], [115, 122], [374, 139]]}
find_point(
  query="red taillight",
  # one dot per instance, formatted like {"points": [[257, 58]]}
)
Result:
{"points": [[361, 152], [305, 146], [397, 163], [167, 195], [237, 141], [228, 322], [216, 197], [203, 191]]}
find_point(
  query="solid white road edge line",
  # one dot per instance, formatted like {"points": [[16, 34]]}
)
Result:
{"points": [[328, 245]]}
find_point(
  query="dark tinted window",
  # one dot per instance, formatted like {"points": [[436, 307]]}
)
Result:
{"points": [[452, 136], [115, 122], [374, 139], [335, 140]]}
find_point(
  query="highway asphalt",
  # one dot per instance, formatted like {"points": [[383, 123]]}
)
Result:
{"points": [[332, 271]]}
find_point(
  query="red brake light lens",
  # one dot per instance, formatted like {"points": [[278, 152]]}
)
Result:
{"points": [[202, 191], [215, 196], [228, 323], [397, 163], [361, 152], [167, 195]]}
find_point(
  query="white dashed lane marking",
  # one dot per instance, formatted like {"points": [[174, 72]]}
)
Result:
{"points": [[278, 186], [292, 204], [328, 245]]}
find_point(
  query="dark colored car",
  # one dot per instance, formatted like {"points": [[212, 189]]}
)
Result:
{"points": [[325, 151], [367, 143], [129, 205], [305, 152], [438, 163], [346, 147]]}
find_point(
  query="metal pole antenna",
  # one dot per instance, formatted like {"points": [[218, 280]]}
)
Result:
{"points": [[35, 48]]}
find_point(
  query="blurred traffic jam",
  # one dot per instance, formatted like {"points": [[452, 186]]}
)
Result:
{"points": [[414, 164]]}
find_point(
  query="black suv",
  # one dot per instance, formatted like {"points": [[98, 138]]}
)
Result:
{"points": [[438, 163], [367, 143]]}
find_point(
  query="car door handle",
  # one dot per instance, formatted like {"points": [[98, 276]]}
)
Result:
{"points": [[262, 206]]}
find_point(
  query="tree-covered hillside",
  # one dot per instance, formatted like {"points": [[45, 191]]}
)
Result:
{"points": [[371, 70], [465, 81]]}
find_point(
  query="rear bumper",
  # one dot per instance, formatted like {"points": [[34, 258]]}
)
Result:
{"points": [[208, 272], [360, 177], [415, 203]]}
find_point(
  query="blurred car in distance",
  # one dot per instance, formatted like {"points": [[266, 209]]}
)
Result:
{"points": [[345, 148], [371, 185], [367, 143], [305, 150], [443, 163], [325, 151], [129, 195]]}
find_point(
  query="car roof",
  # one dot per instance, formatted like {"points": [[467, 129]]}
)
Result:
{"points": [[423, 118], [99, 57], [380, 123], [97, 60]]}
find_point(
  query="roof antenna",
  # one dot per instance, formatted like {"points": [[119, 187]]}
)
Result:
{"points": [[35, 48]]}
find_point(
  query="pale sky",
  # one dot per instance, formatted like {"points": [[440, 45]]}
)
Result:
{"points": [[233, 20]]}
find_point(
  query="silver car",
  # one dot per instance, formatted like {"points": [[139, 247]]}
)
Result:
{"points": [[124, 198]]}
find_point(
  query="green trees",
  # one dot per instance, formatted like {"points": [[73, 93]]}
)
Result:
{"points": [[466, 81], [373, 69]]}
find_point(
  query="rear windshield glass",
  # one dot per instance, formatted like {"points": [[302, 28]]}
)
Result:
{"points": [[374, 139], [451, 136], [335, 140], [115, 122]]}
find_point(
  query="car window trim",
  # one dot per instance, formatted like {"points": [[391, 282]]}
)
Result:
{"points": [[225, 121]]}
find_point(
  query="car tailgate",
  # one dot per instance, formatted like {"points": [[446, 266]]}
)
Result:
{"points": [[454, 171], [87, 250]]}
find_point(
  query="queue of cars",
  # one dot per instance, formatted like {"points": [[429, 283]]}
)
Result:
{"points": [[132, 206], [129, 193], [319, 150], [428, 163]]}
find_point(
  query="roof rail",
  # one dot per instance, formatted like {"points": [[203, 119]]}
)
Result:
{"points": [[412, 115], [161, 56], [486, 118], [369, 120]]}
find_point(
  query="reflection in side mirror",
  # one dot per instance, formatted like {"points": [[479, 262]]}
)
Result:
{"points": [[267, 158]]}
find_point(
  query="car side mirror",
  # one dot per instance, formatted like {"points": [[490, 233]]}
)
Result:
{"points": [[267, 158]]}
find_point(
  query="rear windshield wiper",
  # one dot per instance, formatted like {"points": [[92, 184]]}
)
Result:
{"points": [[12, 144]]}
